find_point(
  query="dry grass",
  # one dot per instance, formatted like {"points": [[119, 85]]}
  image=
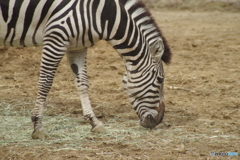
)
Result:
{"points": [[202, 91]]}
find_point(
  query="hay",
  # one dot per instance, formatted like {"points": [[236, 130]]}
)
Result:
{"points": [[73, 134]]}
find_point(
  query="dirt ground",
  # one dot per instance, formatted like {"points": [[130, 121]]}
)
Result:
{"points": [[202, 94]]}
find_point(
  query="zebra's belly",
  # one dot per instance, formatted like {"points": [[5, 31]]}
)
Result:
{"points": [[17, 38], [19, 35], [16, 43]]}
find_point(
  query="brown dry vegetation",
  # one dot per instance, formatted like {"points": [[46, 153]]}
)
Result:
{"points": [[202, 94]]}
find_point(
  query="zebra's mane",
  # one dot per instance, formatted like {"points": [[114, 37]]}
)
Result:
{"points": [[138, 4]]}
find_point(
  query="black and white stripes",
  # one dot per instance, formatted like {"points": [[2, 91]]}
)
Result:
{"points": [[70, 27]]}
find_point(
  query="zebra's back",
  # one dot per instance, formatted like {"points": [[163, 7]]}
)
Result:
{"points": [[25, 22]]}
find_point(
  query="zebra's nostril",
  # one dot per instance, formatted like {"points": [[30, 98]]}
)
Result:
{"points": [[148, 122], [151, 121]]}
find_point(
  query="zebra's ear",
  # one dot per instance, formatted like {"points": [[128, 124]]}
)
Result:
{"points": [[156, 50]]}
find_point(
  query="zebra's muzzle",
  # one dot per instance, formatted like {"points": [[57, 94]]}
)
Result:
{"points": [[151, 121]]}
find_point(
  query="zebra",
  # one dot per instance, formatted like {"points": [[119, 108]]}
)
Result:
{"points": [[70, 27]]}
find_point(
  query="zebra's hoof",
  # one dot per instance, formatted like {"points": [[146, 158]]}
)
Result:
{"points": [[39, 135], [99, 129]]}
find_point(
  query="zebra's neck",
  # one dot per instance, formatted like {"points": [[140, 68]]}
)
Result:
{"points": [[131, 32]]}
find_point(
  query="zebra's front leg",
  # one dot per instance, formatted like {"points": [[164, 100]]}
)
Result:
{"points": [[77, 61], [37, 116], [49, 63]]}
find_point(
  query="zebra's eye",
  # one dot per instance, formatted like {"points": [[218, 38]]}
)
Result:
{"points": [[160, 79]]}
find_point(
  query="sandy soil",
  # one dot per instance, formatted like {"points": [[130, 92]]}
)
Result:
{"points": [[202, 94]]}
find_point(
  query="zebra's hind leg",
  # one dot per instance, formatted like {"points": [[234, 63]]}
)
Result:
{"points": [[77, 61], [49, 63]]}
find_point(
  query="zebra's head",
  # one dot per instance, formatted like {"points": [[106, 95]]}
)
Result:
{"points": [[144, 86]]}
